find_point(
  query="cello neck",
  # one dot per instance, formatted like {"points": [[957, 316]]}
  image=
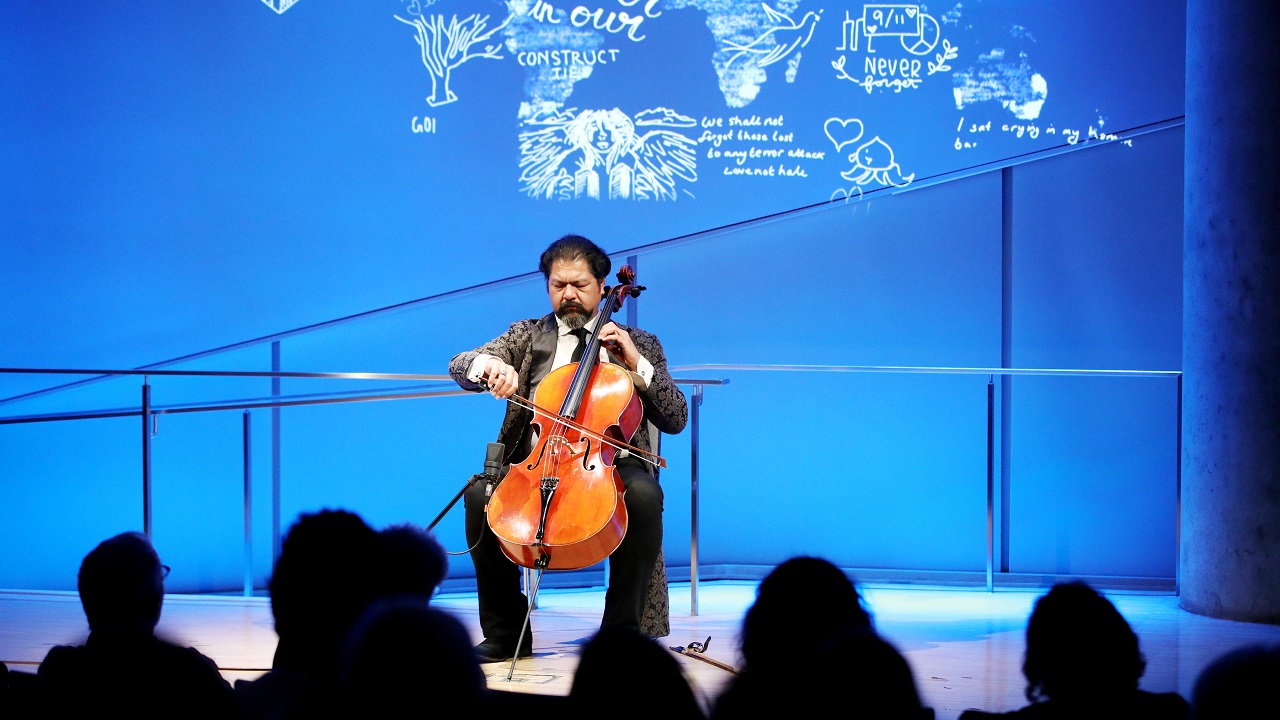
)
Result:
{"points": [[590, 355]]}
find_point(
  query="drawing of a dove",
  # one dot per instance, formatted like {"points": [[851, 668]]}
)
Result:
{"points": [[780, 40]]}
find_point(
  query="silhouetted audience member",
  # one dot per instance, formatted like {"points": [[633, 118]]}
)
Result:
{"points": [[865, 676], [1238, 685], [404, 657], [413, 562], [18, 694], [624, 674], [1082, 661], [325, 577], [800, 604], [123, 669], [804, 608]]}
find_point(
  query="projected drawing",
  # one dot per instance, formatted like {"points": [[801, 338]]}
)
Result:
{"points": [[445, 46], [783, 37], [555, 53], [872, 161], [750, 36], [1014, 85], [915, 29], [569, 154], [279, 5], [917, 32]]}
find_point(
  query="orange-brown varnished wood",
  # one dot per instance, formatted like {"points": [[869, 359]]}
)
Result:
{"points": [[586, 518]]}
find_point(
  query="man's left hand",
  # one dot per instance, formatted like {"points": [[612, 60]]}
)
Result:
{"points": [[618, 341]]}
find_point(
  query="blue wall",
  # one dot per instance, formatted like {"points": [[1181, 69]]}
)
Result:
{"points": [[178, 178]]}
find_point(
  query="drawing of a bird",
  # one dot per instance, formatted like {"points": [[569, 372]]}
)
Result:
{"points": [[780, 40]]}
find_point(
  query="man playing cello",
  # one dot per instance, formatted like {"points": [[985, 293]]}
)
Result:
{"points": [[514, 363]]}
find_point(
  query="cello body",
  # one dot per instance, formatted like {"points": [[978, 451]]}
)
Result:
{"points": [[561, 507]]}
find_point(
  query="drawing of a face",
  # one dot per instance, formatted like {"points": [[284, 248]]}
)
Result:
{"points": [[598, 133], [602, 137], [874, 155], [575, 293]]}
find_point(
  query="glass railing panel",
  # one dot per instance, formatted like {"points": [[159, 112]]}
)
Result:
{"points": [[868, 470], [66, 487], [1094, 476], [908, 280]]}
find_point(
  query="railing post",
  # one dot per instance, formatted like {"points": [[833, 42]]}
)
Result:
{"points": [[275, 454], [248, 505], [146, 457], [991, 482], [1177, 501], [693, 503]]}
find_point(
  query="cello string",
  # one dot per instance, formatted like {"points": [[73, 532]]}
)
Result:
{"points": [[659, 461]]}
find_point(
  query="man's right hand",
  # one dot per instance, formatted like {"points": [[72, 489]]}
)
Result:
{"points": [[502, 379]]}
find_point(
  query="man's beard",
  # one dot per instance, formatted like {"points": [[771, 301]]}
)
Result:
{"points": [[573, 314]]}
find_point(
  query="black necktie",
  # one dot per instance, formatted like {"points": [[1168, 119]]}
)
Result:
{"points": [[581, 334]]}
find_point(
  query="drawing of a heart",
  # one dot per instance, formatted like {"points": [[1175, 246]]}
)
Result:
{"points": [[842, 132]]}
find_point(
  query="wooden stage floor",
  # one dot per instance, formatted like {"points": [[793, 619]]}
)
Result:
{"points": [[965, 645]]}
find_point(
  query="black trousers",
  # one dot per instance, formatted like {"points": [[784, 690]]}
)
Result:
{"points": [[503, 605]]}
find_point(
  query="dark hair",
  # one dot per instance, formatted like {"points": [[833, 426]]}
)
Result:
{"points": [[1235, 683], [1078, 644], [322, 581], [597, 682], [412, 561], [800, 603], [575, 247], [403, 655], [121, 584]]}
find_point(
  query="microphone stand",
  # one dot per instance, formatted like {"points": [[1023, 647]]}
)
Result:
{"points": [[492, 465], [454, 501]]}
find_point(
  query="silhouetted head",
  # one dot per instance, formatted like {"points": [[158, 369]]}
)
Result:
{"points": [[121, 585], [622, 669], [404, 657], [801, 603], [1236, 684], [866, 676], [1079, 647], [413, 561], [572, 248], [325, 577]]}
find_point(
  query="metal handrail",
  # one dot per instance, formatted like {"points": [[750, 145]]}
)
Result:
{"points": [[147, 411], [991, 373], [929, 370]]}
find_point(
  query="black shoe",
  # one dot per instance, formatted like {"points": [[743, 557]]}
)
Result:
{"points": [[491, 651]]}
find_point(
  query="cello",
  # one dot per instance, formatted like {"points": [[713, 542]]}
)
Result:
{"points": [[561, 507]]}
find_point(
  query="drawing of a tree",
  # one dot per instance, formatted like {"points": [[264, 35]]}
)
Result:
{"points": [[446, 46]]}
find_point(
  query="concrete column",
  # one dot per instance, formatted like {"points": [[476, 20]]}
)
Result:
{"points": [[1230, 515]]}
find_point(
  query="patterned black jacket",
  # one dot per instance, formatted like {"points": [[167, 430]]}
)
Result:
{"points": [[530, 345]]}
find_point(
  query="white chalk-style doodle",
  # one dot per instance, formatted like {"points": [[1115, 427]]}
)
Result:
{"points": [[939, 62], [916, 30], [751, 36], [279, 5], [872, 161], [554, 52], [1017, 88], [607, 153], [445, 46], [781, 37]]}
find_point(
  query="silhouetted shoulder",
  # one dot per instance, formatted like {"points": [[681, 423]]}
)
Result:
{"points": [[1140, 704], [152, 678]]}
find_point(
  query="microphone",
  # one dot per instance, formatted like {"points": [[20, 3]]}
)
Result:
{"points": [[492, 466]]}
